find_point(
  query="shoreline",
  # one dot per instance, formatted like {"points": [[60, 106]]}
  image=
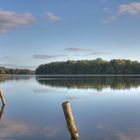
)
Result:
{"points": [[73, 75]]}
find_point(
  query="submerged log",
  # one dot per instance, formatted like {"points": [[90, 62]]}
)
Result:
{"points": [[2, 97], [70, 121]]}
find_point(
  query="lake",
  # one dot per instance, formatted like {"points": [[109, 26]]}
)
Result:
{"points": [[104, 107]]}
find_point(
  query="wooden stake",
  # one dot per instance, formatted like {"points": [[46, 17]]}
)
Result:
{"points": [[2, 97], [70, 120], [2, 111]]}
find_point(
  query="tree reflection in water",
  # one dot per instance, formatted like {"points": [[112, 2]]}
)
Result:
{"points": [[92, 82]]}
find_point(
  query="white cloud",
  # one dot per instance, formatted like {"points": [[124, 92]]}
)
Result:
{"points": [[8, 58], [131, 9], [110, 19], [10, 20], [45, 56], [99, 53], [51, 16], [77, 49]]}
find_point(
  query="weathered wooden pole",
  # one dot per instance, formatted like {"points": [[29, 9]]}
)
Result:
{"points": [[2, 111], [70, 120], [2, 97]]}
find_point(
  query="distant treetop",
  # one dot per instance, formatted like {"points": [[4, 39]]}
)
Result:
{"points": [[97, 66], [4, 71]]}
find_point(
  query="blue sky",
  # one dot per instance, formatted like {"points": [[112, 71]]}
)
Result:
{"points": [[34, 32]]}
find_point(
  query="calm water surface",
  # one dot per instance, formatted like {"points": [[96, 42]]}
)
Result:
{"points": [[105, 108]]}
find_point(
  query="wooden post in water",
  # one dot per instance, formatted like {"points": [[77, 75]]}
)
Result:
{"points": [[2, 111], [70, 120], [2, 97]]}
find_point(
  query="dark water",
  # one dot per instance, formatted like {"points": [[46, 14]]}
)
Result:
{"points": [[105, 108]]}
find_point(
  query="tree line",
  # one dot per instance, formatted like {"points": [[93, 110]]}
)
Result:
{"points": [[97, 66], [4, 71]]}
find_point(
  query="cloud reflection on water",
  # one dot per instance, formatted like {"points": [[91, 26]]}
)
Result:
{"points": [[114, 133], [13, 129]]}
